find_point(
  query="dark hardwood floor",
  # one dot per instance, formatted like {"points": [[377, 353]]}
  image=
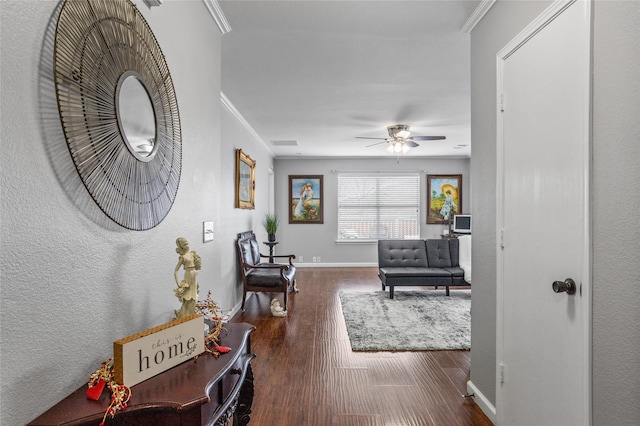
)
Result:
{"points": [[306, 374]]}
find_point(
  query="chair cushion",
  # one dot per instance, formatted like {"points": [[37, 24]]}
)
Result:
{"points": [[250, 251], [270, 277]]}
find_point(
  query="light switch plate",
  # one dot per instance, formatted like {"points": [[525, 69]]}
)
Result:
{"points": [[152, 3], [207, 231]]}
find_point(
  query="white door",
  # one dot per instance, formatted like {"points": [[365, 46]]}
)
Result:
{"points": [[543, 353]]}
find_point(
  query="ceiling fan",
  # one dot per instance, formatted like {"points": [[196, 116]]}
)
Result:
{"points": [[400, 139]]}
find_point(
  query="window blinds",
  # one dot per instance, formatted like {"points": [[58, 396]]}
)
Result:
{"points": [[378, 206]]}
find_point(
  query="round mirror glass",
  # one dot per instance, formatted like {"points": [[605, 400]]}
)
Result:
{"points": [[136, 117]]}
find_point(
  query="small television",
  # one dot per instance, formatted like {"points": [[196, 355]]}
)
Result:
{"points": [[462, 223]]}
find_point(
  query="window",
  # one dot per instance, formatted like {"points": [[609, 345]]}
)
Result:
{"points": [[377, 206]]}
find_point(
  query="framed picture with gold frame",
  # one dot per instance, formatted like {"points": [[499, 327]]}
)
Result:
{"points": [[441, 190], [245, 181]]}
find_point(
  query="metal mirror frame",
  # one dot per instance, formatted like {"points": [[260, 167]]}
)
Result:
{"points": [[98, 43]]}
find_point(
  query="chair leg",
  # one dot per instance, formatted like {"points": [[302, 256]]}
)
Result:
{"points": [[286, 294], [244, 298]]}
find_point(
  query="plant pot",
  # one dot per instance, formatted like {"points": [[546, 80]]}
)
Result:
{"points": [[272, 237]]}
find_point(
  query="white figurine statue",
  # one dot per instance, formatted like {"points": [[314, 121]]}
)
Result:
{"points": [[276, 309], [187, 291]]}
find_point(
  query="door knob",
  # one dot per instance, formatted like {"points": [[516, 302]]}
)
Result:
{"points": [[567, 285]]}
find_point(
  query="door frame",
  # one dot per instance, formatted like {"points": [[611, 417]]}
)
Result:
{"points": [[525, 35]]}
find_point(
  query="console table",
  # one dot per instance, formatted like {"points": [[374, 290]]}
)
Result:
{"points": [[205, 391]]}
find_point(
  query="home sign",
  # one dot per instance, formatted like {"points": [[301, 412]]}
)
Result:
{"points": [[143, 355]]}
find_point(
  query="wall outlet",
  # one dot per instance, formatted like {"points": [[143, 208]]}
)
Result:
{"points": [[318, 259], [314, 259], [301, 259]]}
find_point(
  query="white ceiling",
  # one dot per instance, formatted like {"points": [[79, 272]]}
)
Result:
{"points": [[322, 73]]}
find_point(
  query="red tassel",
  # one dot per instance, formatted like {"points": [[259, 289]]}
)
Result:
{"points": [[223, 349], [95, 391]]}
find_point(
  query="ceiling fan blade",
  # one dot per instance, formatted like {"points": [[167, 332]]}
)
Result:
{"points": [[411, 144], [428, 138], [363, 137], [373, 144]]}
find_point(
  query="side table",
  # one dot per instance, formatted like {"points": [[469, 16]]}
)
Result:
{"points": [[207, 391], [271, 245]]}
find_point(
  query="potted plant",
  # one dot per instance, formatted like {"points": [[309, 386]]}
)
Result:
{"points": [[270, 223]]}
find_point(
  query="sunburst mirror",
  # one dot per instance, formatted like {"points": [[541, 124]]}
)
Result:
{"points": [[118, 110]]}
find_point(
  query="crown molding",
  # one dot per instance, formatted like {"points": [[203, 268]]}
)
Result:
{"points": [[218, 16], [236, 114], [477, 15]]}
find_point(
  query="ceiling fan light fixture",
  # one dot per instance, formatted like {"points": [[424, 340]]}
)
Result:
{"points": [[397, 147], [399, 131], [400, 139]]}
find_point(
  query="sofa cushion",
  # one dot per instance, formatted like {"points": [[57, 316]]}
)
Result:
{"points": [[456, 271], [439, 254], [454, 251], [400, 272], [402, 253]]}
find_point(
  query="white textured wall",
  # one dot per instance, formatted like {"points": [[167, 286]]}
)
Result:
{"points": [[72, 281], [311, 240], [236, 136], [616, 203], [503, 22], [616, 200]]}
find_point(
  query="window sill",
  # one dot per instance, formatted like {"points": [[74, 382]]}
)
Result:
{"points": [[356, 241]]}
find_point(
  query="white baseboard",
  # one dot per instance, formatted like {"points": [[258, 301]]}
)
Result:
{"points": [[485, 405], [235, 309], [336, 265]]}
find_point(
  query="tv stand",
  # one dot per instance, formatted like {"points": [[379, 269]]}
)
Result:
{"points": [[204, 391]]}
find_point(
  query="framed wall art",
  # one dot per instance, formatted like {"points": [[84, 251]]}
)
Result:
{"points": [[305, 198], [245, 181], [444, 197]]}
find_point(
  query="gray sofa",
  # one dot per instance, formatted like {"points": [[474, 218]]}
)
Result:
{"points": [[428, 262]]}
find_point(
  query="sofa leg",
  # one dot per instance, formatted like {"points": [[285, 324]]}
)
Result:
{"points": [[390, 292], [447, 292]]}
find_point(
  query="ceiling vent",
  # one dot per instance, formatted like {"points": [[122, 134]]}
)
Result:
{"points": [[284, 143]]}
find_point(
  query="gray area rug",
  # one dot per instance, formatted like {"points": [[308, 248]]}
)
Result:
{"points": [[411, 321]]}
